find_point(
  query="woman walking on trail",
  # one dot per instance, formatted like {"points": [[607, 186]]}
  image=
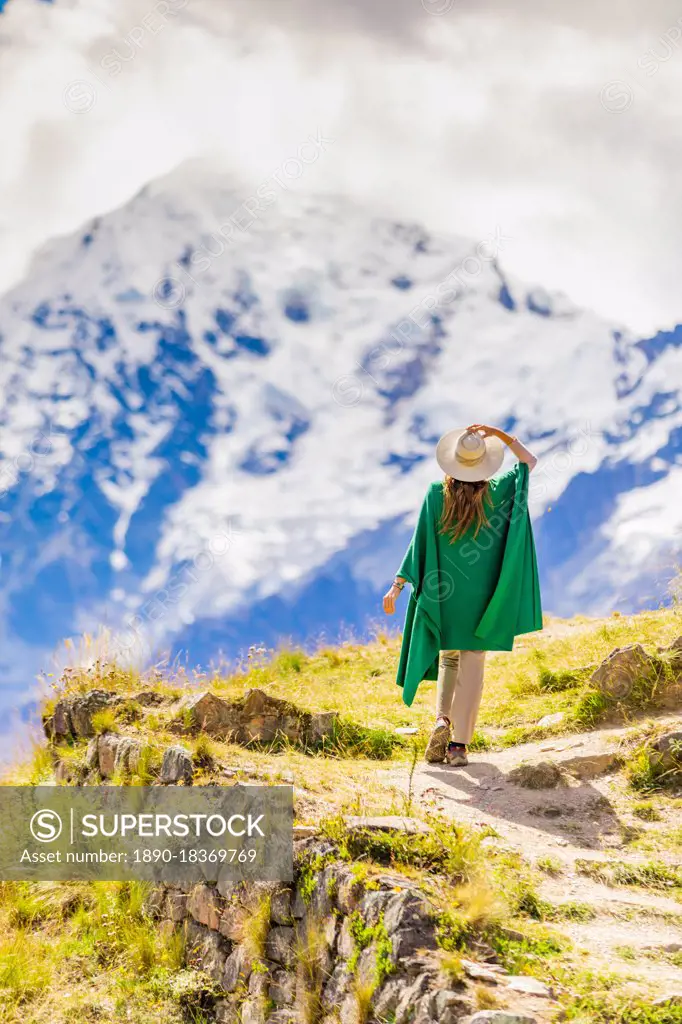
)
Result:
{"points": [[474, 578]]}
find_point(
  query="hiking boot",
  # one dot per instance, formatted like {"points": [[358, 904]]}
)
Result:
{"points": [[457, 755], [438, 743]]}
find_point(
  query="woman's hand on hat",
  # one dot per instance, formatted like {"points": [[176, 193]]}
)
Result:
{"points": [[483, 429]]}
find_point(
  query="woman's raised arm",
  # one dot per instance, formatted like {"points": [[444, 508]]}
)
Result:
{"points": [[513, 443]]}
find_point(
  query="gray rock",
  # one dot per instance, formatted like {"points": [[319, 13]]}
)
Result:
{"points": [[299, 908], [349, 889], [259, 982], [237, 969], [279, 945], [373, 905], [668, 748], [204, 712], [59, 725], [83, 708], [387, 998], [617, 674], [346, 944], [549, 720], [176, 906], [479, 972], [203, 906], [348, 1012], [107, 748], [205, 950], [408, 941], [336, 987], [227, 1012], [280, 906], [321, 727], [404, 1011], [447, 1006], [91, 754], [305, 831], [177, 766], [232, 921], [331, 929], [253, 1011], [282, 988], [66, 774], [590, 766], [156, 901], [128, 754], [407, 910], [529, 986], [499, 1017], [151, 699], [255, 717]]}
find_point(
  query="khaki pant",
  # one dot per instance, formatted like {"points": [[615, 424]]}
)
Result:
{"points": [[458, 694]]}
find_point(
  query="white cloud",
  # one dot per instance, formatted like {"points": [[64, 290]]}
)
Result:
{"points": [[557, 123]]}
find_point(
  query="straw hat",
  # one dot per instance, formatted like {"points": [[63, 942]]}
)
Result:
{"points": [[468, 456]]}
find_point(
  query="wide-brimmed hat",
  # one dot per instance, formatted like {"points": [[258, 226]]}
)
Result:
{"points": [[468, 456]]}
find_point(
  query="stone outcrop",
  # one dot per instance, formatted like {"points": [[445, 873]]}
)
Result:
{"points": [[331, 932], [618, 674], [72, 716], [177, 766], [254, 718]]}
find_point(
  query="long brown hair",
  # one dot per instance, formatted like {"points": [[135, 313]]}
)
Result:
{"points": [[463, 504]]}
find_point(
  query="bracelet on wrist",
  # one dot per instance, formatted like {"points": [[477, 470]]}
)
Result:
{"points": [[398, 584]]}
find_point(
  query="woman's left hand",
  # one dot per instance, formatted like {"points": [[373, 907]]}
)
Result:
{"points": [[390, 599]]}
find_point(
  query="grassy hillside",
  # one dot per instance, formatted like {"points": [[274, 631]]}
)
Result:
{"points": [[91, 952]]}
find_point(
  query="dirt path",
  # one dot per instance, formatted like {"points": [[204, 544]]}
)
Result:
{"points": [[586, 816]]}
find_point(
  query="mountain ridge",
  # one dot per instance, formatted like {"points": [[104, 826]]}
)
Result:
{"points": [[289, 397]]}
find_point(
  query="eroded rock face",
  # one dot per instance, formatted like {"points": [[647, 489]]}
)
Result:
{"points": [[618, 674], [255, 718], [72, 716], [312, 962], [177, 766]]}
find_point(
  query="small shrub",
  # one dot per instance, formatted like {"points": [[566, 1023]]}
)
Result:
{"points": [[550, 865], [205, 752], [647, 772], [348, 739], [193, 990], [287, 662], [451, 966], [104, 721], [310, 956], [647, 811], [256, 927], [557, 681], [486, 998], [654, 875], [480, 741], [148, 766]]}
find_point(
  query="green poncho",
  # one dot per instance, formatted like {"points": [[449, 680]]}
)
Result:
{"points": [[473, 595]]}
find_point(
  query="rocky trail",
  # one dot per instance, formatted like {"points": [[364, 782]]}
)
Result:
{"points": [[563, 801]]}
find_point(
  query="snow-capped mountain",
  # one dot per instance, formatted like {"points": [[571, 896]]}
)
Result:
{"points": [[217, 424]]}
